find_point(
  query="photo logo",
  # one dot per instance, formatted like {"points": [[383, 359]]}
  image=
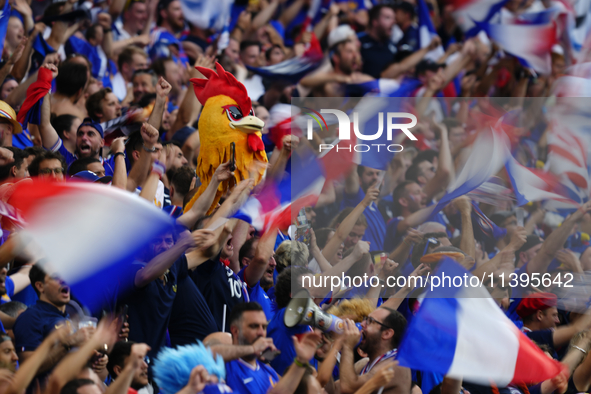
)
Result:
{"points": [[345, 128]]}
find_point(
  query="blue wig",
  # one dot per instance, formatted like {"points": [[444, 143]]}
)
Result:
{"points": [[173, 367]]}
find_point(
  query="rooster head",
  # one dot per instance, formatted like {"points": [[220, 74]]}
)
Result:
{"points": [[225, 99]]}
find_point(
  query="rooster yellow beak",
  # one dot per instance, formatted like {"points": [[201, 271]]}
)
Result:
{"points": [[248, 124]]}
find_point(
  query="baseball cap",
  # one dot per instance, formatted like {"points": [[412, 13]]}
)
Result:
{"points": [[95, 125], [90, 176], [7, 112], [340, 34], [536, 302], [427, 65], [183, 134]]}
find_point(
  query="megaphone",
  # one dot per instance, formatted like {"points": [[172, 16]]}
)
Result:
{"points": [[301, 310]]}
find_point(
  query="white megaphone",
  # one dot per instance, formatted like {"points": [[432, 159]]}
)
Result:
{"points": [[302, 311]]}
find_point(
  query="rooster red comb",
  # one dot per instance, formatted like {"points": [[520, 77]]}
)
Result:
{"points": [[221, 83]]}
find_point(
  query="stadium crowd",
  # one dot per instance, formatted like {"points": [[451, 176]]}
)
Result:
{"points": [[99, 91]]}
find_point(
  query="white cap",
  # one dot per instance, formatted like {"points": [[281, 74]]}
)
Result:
{"points": [[340, 34]]}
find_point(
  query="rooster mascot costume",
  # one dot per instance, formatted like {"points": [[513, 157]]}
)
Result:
{"points": [[227, 116]]}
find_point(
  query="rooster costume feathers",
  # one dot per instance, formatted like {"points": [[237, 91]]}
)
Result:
{"points": [[227, 116]]}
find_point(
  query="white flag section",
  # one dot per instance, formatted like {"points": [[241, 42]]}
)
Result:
{"points": [[207, 14]]}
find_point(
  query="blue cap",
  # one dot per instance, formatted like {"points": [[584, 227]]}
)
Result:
{"points": [[183, 134], [160, 47], [95, 125], [90, 176]]}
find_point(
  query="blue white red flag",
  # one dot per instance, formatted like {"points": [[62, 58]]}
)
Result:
{"points": [[476, 342], [105, 227], [427, 31], [470, 13], [296, 68], [206, 14], [531, 44]]}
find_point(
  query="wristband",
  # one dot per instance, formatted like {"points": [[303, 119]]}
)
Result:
{"points": [[158, 168], [299, 364], [149, 150], [580, 348], [119, 153]]}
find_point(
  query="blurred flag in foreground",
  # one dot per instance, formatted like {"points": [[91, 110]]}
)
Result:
{"points": [[468, 13], [476, 342], [427, 31], [103, 228]]}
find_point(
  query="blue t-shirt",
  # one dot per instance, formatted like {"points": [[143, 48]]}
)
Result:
{"points": [[34, 324], [190, 318], [281, 335], [9, 291], [27, 296], [259, 295], [242, 377], [173, 210], [109, 163], [150, 307], [393, 236], [376, 227], [221, 287]]}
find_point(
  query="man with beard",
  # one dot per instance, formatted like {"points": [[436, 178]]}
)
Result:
{"points": [[121, 354], [245, 372], [170, 16], [377, 50], [381, 333]]}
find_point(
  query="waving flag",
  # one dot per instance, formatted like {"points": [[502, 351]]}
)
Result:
{"points": [[296, 68], [531, 185], [470, 13], [207, 14], [224, 39], [480, 166], [567, 156], [427, 31], [475, 341], [91, 217], [531, 44], [80, 46], [30, 111]]}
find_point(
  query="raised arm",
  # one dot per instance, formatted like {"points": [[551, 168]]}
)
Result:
{"points": [[305, 349], [29, 368], [139, 171], [162, 262], [48, 134], [555, 241], [190, 106], [199, 209], [397, 69], [264, 251], [467, 243], [445, 169], [347, 225], [150, 187], [162, 90]]}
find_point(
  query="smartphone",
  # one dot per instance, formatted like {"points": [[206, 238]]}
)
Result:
{"points": [[232, 156], [123, 313], [270, 354], [302, 227]]}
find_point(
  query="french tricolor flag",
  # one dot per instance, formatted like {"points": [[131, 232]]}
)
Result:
{"points": [[474, 339], [470, 13], [427, 31], [531, 185], [87, 233], [529, 43]]}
